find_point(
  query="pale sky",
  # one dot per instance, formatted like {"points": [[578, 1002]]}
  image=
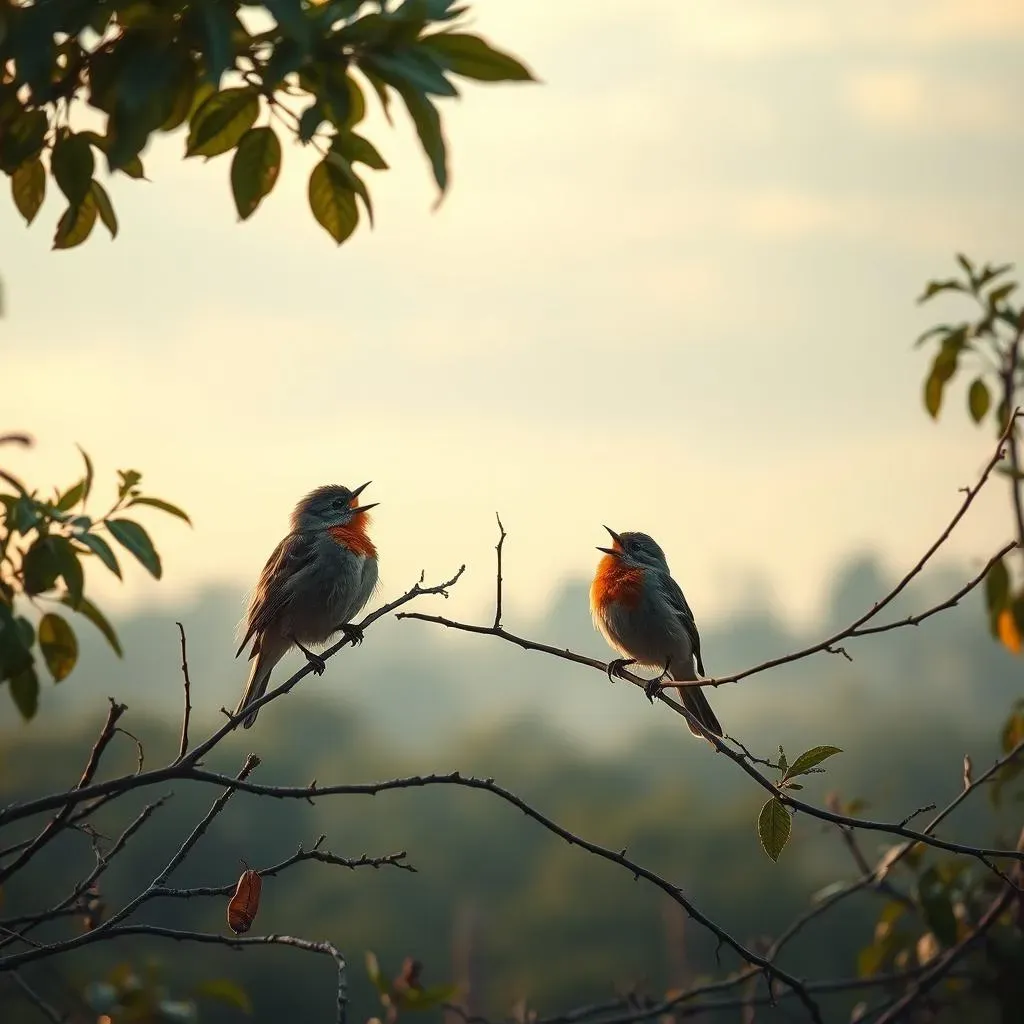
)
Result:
{"points": [[672, 289]]}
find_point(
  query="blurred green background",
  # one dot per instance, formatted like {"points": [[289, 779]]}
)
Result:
{"points": [[498, 904]]}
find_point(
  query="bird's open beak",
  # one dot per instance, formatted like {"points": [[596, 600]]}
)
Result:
{"points": [[615, 537], [357, 492]]}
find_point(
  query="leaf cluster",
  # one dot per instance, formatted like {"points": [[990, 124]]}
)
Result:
{"points": [[132, 993], [990, 348], [405, 992], [234, 75], [45, 547]]}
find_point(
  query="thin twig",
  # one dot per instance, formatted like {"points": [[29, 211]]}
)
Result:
{"points": [[497, 596], [394, 860], [240, 942], [125, 783], [38, 1001], [942, 965], [59, 820], [455, 778], [67, 905], [14, 960], [187, 714]]}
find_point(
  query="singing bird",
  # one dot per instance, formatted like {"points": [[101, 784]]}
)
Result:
{"points": [[316, 581], [642, 613]]}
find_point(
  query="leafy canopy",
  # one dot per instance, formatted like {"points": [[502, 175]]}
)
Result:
{"points": [[236, 74], [45, 545]]}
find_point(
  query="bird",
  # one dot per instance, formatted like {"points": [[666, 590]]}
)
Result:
{"points": [[316, 581], [641, 611]]}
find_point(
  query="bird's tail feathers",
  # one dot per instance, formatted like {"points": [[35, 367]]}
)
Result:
{"points": [[695, 701], [259, 679]]}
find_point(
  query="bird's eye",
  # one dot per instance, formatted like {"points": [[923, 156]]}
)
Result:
{"points": [[340, 503]]}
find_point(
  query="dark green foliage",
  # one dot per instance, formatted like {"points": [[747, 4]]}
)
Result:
{"points": [[220, 68], [44, 549]]}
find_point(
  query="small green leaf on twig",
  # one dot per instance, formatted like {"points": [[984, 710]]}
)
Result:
{"points": [[774, 827]]}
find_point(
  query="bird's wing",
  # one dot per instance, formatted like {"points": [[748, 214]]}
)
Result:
{"points": [[293, 555], [679, 605]]}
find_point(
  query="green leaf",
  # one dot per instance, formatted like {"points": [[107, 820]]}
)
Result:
{"points": [[219, 124], [310, 120], [25, 692], [59, 646], [184, 94], [105, 208], [410, 70], [285, 59], [1001, 293], [997, 588], [15, 643], [254, 169], [472, 57], [356, 149], [933, 388], [810, 759], [87, 609], [164, 506], [937, 907], [28, 188], [71, 497], [132, 536], [428, 127], [356, 101], [41, 566], [219, 22], [774, 827], [936, 287], [225, 991], [380, 87], [99, 547], [129, 478], [978, 400], [289, 16], [24, 515], [379, 982], [133, 168], [22, 139], [72, 164], [427, 998], [70, 568], [783, 763], [352, 180], [76, 224], [332, 201]]}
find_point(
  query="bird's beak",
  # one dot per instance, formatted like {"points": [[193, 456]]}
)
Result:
{"points": [[356, 493], [615, 537]]}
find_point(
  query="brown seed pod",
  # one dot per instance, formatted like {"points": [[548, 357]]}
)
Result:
{"points": [[245, 904]]}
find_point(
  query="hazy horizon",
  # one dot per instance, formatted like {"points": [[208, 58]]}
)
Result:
{"points": [[672, 289]]}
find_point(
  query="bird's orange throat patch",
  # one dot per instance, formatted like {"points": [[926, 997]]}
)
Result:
{"points": [[616, 582], [354, 536]]}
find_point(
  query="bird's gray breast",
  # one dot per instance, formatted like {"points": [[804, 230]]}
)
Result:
{"points": [[324, 594], [649, 631]]}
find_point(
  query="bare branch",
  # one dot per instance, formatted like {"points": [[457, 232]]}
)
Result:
{"points": [[118, 786], [637, 870], [395, 860], [67, 905], [240, 942], [187, 683], [944, 963], [57, 823], [497, 596], [40, 1003], [13, 960]]}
